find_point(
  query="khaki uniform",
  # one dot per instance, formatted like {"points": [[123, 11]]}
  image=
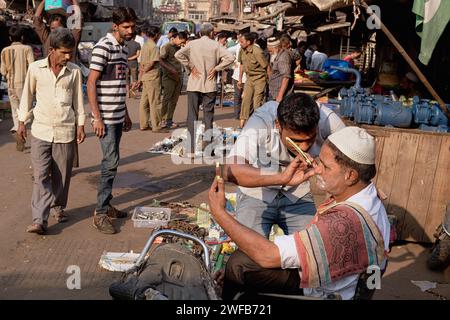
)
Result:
{"points": [[171, 85], [150, 104], [255, 66]]}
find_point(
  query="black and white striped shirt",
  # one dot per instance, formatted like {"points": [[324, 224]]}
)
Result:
{"points": [[110, 58]]}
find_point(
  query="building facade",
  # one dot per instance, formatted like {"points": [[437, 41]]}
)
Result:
{"points": [[199, 10]]}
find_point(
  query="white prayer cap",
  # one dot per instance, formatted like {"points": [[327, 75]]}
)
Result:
{"points": [[356, 143], [273, 42]]}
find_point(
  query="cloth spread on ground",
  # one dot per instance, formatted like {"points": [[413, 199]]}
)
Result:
{"points": [[342, 240]]}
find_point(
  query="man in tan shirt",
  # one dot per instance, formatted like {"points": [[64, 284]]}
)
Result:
{"points": [[59, 109], [204, 58], [150, 104], [15, 60], [254, 64], [172, 77]]}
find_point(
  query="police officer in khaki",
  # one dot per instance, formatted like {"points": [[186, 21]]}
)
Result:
{"points": [[150, 104], [254, 65], [172, 77]]}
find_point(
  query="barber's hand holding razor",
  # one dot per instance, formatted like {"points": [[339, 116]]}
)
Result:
{"points": [[216, 196], [297, 172]]}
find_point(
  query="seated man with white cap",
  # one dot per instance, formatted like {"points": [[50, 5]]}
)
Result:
{"points": [[349, 232]]}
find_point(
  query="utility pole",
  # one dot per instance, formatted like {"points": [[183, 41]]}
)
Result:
{"points": [[241, 9]]}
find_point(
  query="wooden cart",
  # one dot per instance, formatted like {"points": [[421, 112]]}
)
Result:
{"points": [[413, 171]]}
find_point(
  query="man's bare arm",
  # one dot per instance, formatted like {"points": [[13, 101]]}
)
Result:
{"points": [[91, 84], [39, 9], [135, 56], [240, 172], [284, 85], [168, 67], [258, 248]]}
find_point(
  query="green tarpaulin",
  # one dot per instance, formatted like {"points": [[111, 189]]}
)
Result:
{"points": [[432, 16]]}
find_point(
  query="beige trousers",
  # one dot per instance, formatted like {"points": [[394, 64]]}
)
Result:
{"points": [[150, 104]]}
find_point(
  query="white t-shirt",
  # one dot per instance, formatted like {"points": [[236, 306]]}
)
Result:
{"points": [[260, 144], [141, 41], [366, 198]]}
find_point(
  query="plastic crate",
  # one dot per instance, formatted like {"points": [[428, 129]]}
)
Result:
{"points": [[150, 223]]}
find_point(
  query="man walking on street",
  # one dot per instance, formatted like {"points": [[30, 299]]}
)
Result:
{"points": [[56, 82], [254, 64], [59, 21], [15, 60], [172, 78], [203, 58], [106, 88]]}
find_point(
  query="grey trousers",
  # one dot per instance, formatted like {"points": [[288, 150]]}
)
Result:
{"points": [[194, 100], [261, 216], [52, 166]]}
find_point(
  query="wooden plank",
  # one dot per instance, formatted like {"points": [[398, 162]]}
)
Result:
{"points": [[401, 185], [441, 190], [387, 165], [385, 130], [379, 144], [421, 187]]}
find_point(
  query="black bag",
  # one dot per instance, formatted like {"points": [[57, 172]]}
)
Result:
{"points": [[171, 272]]}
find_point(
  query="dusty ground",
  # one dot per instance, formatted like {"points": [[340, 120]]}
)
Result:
{"points": [[34, 267]]}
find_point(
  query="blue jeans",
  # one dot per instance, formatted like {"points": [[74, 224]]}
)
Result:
{"points": [[110, 148], [261, 216]]}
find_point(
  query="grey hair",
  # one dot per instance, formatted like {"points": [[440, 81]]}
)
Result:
{"points": [[61, 38], [206, 29]]}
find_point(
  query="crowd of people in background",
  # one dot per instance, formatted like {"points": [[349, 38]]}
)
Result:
{"points": [[132, 62]]}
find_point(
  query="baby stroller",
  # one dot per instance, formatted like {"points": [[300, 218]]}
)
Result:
{"points": [[171, 271]]}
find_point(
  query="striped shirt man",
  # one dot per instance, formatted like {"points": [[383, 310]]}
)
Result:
{"points": [[110, 58]]}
